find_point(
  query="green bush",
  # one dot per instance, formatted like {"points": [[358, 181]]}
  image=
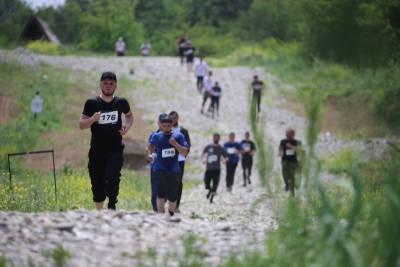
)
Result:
{"points": [[43, 47], [342, 161]]}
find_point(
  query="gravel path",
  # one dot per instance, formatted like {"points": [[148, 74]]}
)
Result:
{"points": [[234, 223]]}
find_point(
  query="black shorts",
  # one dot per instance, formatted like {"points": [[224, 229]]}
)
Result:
{"points": [[181, 51], [200, 79], [120, 54], [189, 59], [105, 172], [167, 185]]}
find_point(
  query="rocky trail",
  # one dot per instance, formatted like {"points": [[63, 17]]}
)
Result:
{"points": [[234, 223]]}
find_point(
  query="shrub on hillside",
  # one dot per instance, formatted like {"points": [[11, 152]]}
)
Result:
{"points": [[43, 47]]}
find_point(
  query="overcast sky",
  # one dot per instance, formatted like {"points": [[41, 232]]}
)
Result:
{"points": [[40, 3]]}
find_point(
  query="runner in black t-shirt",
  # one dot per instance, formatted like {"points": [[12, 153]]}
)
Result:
{"points": [[189, 53], [216, 92], [248, 152], [103, 114], [180, 44], [258, 87], [288, 149], [212, 156]]}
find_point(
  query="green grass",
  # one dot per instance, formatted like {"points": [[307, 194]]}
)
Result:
{"points": [[34, 191]]}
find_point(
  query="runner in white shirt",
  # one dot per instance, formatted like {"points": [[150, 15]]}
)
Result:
{"points": [[120, 47], [200, 71], [208, 84]]}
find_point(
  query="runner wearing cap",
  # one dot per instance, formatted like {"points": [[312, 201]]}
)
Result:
{"points": [[167, 144], [233, 150], [103, 115], [200, 71], [249, 149], [181, 158], [213, 155]]}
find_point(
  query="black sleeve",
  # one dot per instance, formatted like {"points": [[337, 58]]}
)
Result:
{"points": [[125, 108], [223, 152], [186, 135], [282, 144], [88, 109]]}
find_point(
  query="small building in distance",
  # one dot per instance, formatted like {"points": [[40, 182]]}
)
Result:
{"points": [[37, 29]]}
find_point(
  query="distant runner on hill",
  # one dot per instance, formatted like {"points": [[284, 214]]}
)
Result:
{"points": [[249, 149], [233, 150], [180, 45], [200, 71], [120, 47], [213, 155], [189, 53], [145, 49], [208, 84], [216, 92], [258, 87], [288, 150], [103, 115]]}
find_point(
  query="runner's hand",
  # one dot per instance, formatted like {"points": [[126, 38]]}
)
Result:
{"points": [[172, 141], [96, 116], [123, 130], [150, 158]]}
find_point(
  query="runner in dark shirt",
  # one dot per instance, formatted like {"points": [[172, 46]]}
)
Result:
{"points": [[103, 114], [180, 44], [216, 92], [189, 53], [288, 150], [212, 156], [258, 87], [249, 150]]}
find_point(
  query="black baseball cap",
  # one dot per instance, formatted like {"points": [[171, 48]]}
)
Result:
{"points": [[164, 118], [108, 75]]}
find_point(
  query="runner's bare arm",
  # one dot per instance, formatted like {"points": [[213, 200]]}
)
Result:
{"points": [[150, 151], [181, 149], [128, 123], [280, 150], [86, 121]]}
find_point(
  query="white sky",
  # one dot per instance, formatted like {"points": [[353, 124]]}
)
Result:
{"points": [[41, 3]]}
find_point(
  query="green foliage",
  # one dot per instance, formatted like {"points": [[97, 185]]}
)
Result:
{"points": [[43, 47], [341, 162], [13, 16], [33, 191], [193, 252], [106, 21], [59, 255], [22, 132]]}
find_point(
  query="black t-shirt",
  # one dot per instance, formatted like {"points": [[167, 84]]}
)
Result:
{"points": [[189, 51], [288, 153], [248, 147], [216, 91], [214, 154], [105, 132], [257, 86]]}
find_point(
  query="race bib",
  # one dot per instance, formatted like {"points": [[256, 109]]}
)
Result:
{"points": [[246, 147], [108, 117], [290, 152], [231, 150], [212, 158], [168, 152]]}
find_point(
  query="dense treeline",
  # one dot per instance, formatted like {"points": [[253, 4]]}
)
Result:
{"points": [[357, 32]]}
